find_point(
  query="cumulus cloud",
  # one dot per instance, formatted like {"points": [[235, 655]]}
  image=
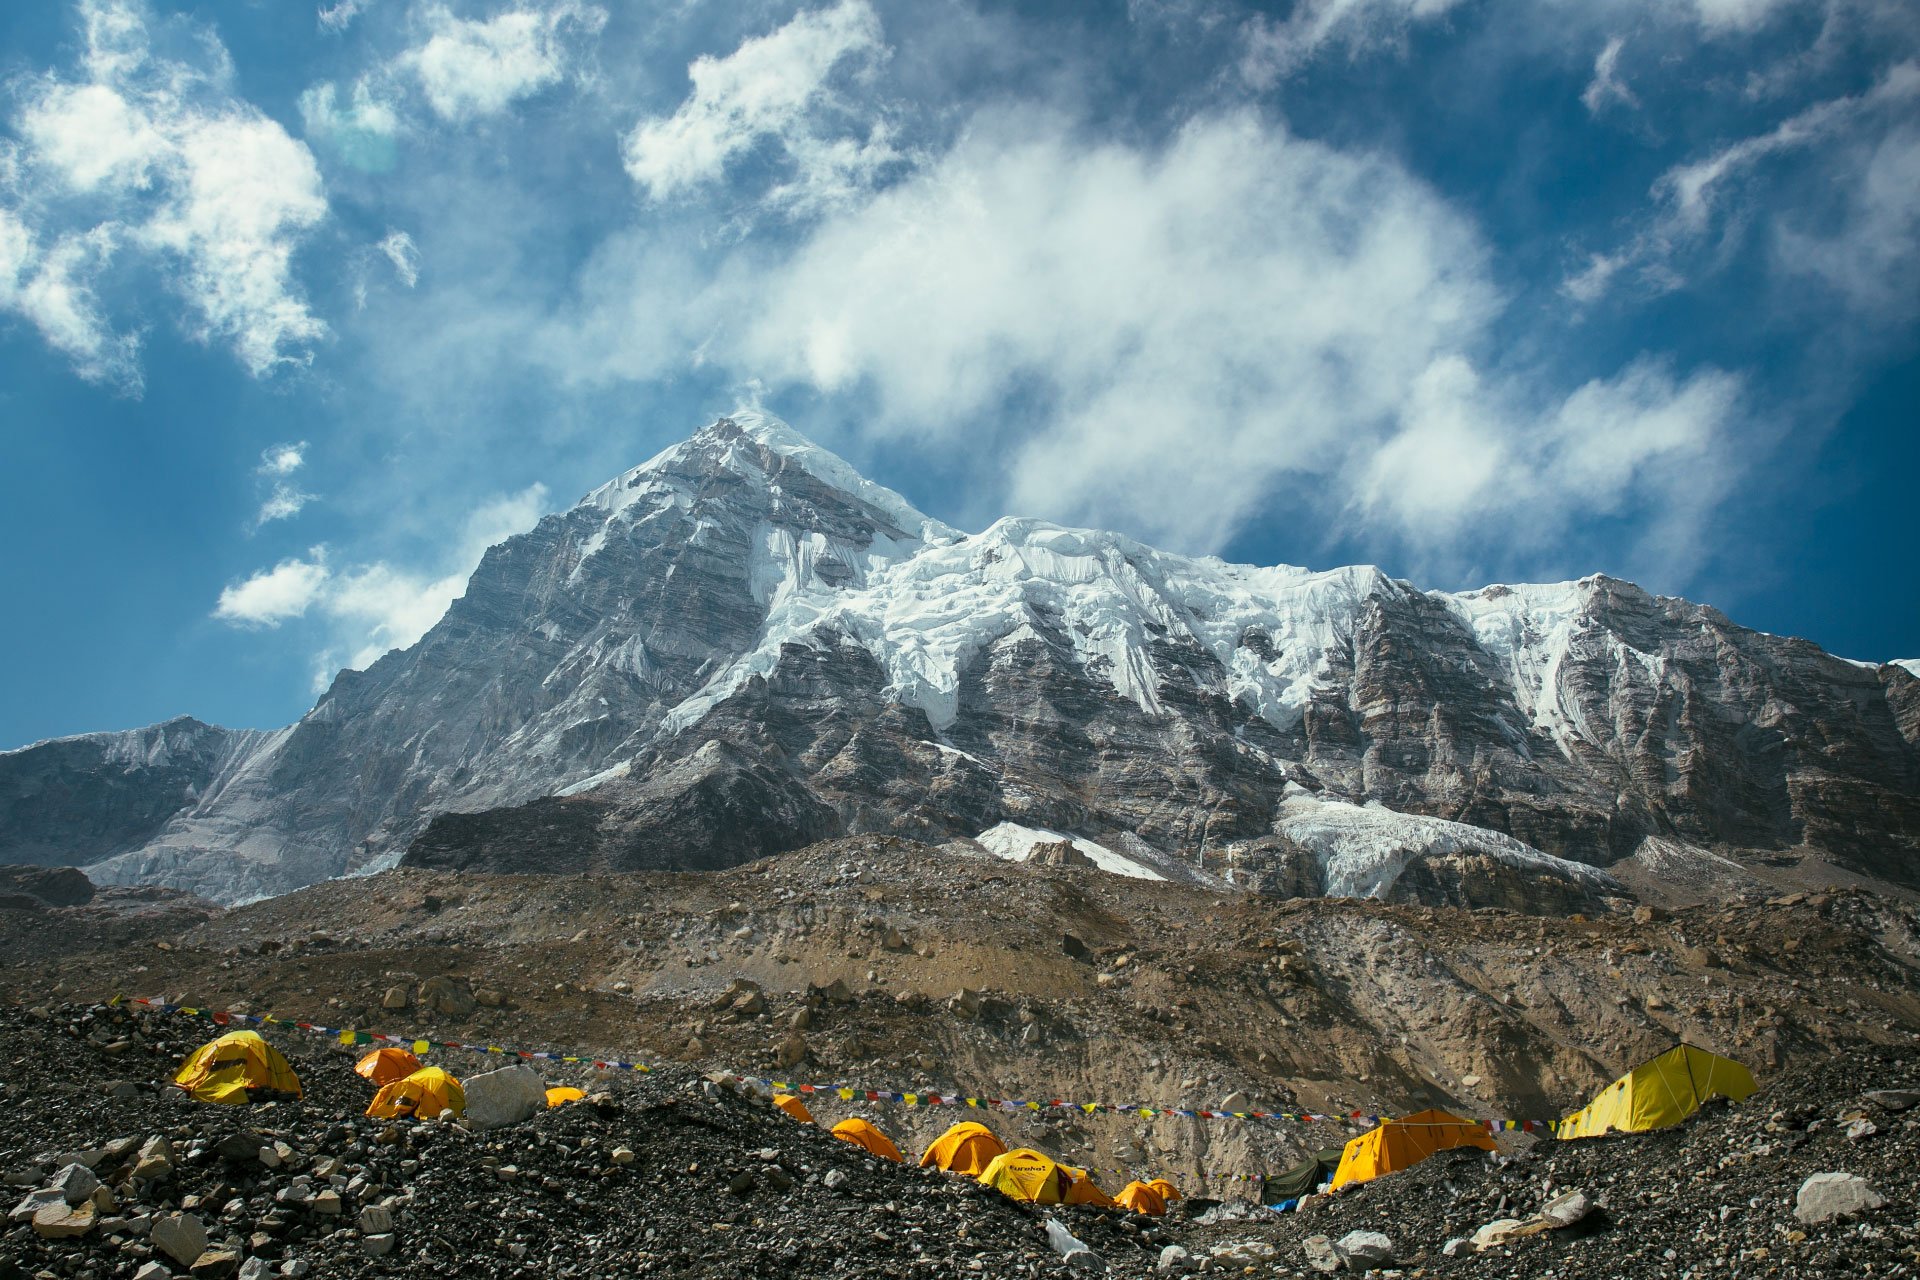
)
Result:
{"points": [[778, 87], [474, 67], [283, 459], [1607, 87], [145, 153], [286, 499], [1181, 332], [1692, 201], [368, 609], [1273, 49], [271, 596]]}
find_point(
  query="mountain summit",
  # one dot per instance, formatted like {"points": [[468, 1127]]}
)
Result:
{"points": [[743, 645]]}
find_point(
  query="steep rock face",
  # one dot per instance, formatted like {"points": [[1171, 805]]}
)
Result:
{"points": [[742, 646]]}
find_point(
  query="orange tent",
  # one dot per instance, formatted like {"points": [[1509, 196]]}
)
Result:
{"points": [[861, 1134], [1167, 1190], [793, 1107], [1403, 1143], [384, 1066], [560, 1095], [1083, 1189], [968, 1147], [1142, 1198]]}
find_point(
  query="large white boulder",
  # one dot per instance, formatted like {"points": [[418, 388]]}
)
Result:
{"points": [[507, 1096], [1834, 1195]]}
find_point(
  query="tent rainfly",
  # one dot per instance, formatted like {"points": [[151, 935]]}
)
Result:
{"points": [[1659, 1092], [861, 1134], [1304, 1178], [1025, 1174], [1082, 1189], [427, 1092], [384, 1066], [236, 1069], [967, 1148], [560, 1095], [793, 1107], [1167, 1190], [1141, 1197], [1404, 1142]]}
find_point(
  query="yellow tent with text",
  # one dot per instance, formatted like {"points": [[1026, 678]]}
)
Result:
{"points": [[236, 1069], [1404, 1142], [1662, 1091], [1026, 1174]]}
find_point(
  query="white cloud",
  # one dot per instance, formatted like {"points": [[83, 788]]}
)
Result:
{"points": [[274, 595], [51, 289], [470, 67], [1607, 86], [1164, 339], [371, 608], [1723, 17], [1274, 49], [399, 249], [284, 502], [144, 153], [283, 459], [363, 132], [1695, 200], [778, 86], [1872, 257], [340, 15]]}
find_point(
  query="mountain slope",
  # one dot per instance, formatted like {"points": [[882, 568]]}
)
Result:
{"points": [[743, 646]]}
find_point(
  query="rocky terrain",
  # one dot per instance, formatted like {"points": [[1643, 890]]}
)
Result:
{"points": [[743, 647], [898, 967], [673, 1174]]}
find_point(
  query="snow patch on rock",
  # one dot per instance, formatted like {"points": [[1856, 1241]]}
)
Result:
{"points": [[1014, 842], [1363, 849]]}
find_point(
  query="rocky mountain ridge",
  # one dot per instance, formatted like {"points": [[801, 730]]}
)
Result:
{"points": [[742, 646]]}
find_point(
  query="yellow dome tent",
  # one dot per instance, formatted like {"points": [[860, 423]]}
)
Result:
{"points": [[384, 1066], [1167, 1190], [861, 1134], [1402, 1143], [793, 1107], [427, 1092], [1662, 1091], [1141, 1197], [1025, 1174], [1082, 1189], [559, 1095], [968, 1147], [232, 1069]]}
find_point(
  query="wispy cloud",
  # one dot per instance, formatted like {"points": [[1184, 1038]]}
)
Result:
{"points": [[399, 249], [286, 499], [368, 609], [1275, 48], [340, 15], [779, 87], [136, 152], [1692, 200], [1607, 87]]}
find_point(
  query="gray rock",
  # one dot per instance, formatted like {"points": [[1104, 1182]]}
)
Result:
{"points": [[34, 1201], [255, 1269], [836, 1179], [1320, 1253], [1457, 1247], [180, 1236], [216, 1264], [61, 1221], [1894, 1099], [1826, 1196], [74, 1183], [155, 1271], [1175, 1261], [1363, 1249], [1565, 1210], [376, 1220], [377, 1246], [510, 1095]]}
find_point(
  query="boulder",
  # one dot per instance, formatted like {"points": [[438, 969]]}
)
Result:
{"points": [[53, 886], [180, 1236], [1363, 1249], [216, 1264], [1320, 1254], [1564, 1210], [449, 996], [1894, 1099], [59, 1220], [1175, 1261], [791, 1051], [75, 1183], [395, 998], [1495, 1232], [1826, 1196], [965, 1002], [496, 1099]]}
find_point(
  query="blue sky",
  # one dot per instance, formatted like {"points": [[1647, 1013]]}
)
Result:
{"points": [[303, 305]]}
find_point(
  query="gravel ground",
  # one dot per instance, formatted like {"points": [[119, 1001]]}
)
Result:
{"points": [[718, 1184]]}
